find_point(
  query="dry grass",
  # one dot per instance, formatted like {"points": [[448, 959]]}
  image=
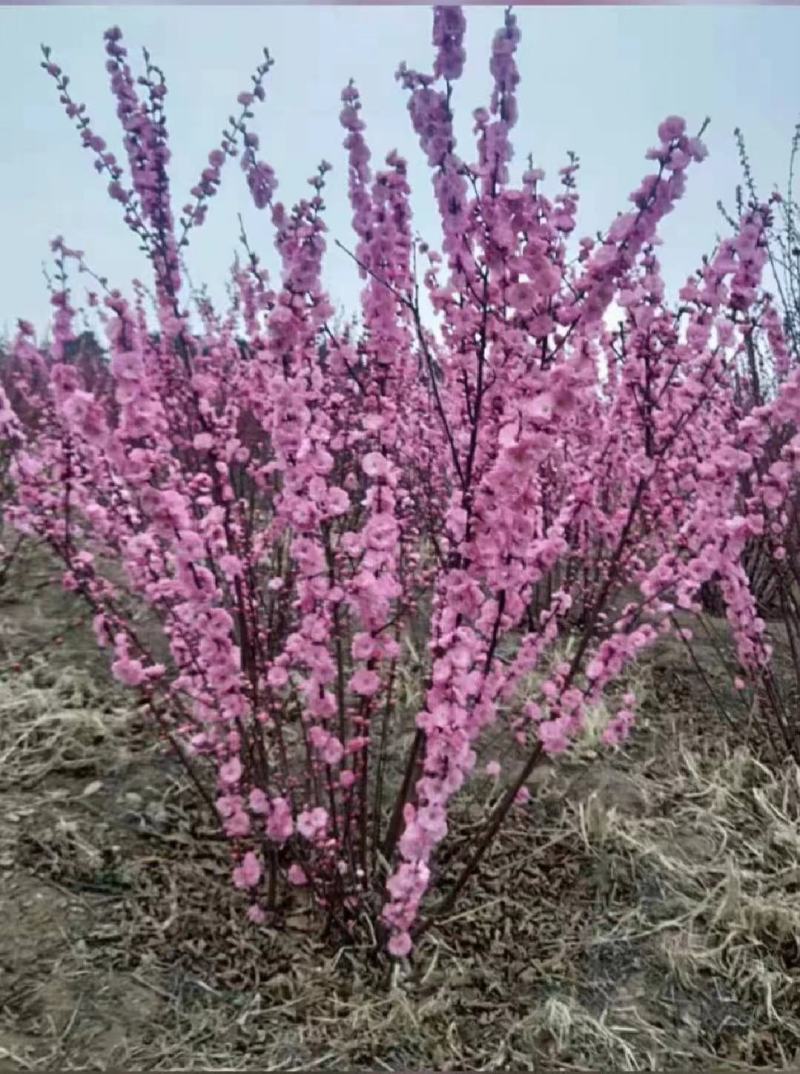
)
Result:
{"points": [[641, 912]]}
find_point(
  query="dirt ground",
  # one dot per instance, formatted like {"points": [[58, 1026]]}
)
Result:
{"points": [[641, 912]]}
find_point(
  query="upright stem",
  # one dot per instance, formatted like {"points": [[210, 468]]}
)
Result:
{"points": [[393, 830], [497, 818]]}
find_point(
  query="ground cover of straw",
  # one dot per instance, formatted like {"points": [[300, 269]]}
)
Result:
{"points": [[641, 912]]}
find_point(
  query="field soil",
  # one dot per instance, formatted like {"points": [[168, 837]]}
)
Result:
{"points": [[640, 912]]}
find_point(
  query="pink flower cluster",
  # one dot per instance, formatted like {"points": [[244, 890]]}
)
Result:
{"points": [[298, 504]]}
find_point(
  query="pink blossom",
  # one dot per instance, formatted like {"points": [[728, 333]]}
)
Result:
{"points": [[374, 464], [279, 823], [363, 646], [312, 822], [277, 676], [672, 127], [128, 671], [400, 944], [296, 876], [248, 873], [231, 772], [237, 824], [332, 751], [365, 682]]}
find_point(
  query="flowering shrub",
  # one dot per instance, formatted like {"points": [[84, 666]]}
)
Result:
{"points": [[293, 500], [766, 387]]}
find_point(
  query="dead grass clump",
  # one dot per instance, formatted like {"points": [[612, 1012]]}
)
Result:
{"points": [[57, 720], [705, 882]]}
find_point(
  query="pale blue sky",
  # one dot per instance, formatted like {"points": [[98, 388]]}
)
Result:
{"points": [[594, 79]]}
